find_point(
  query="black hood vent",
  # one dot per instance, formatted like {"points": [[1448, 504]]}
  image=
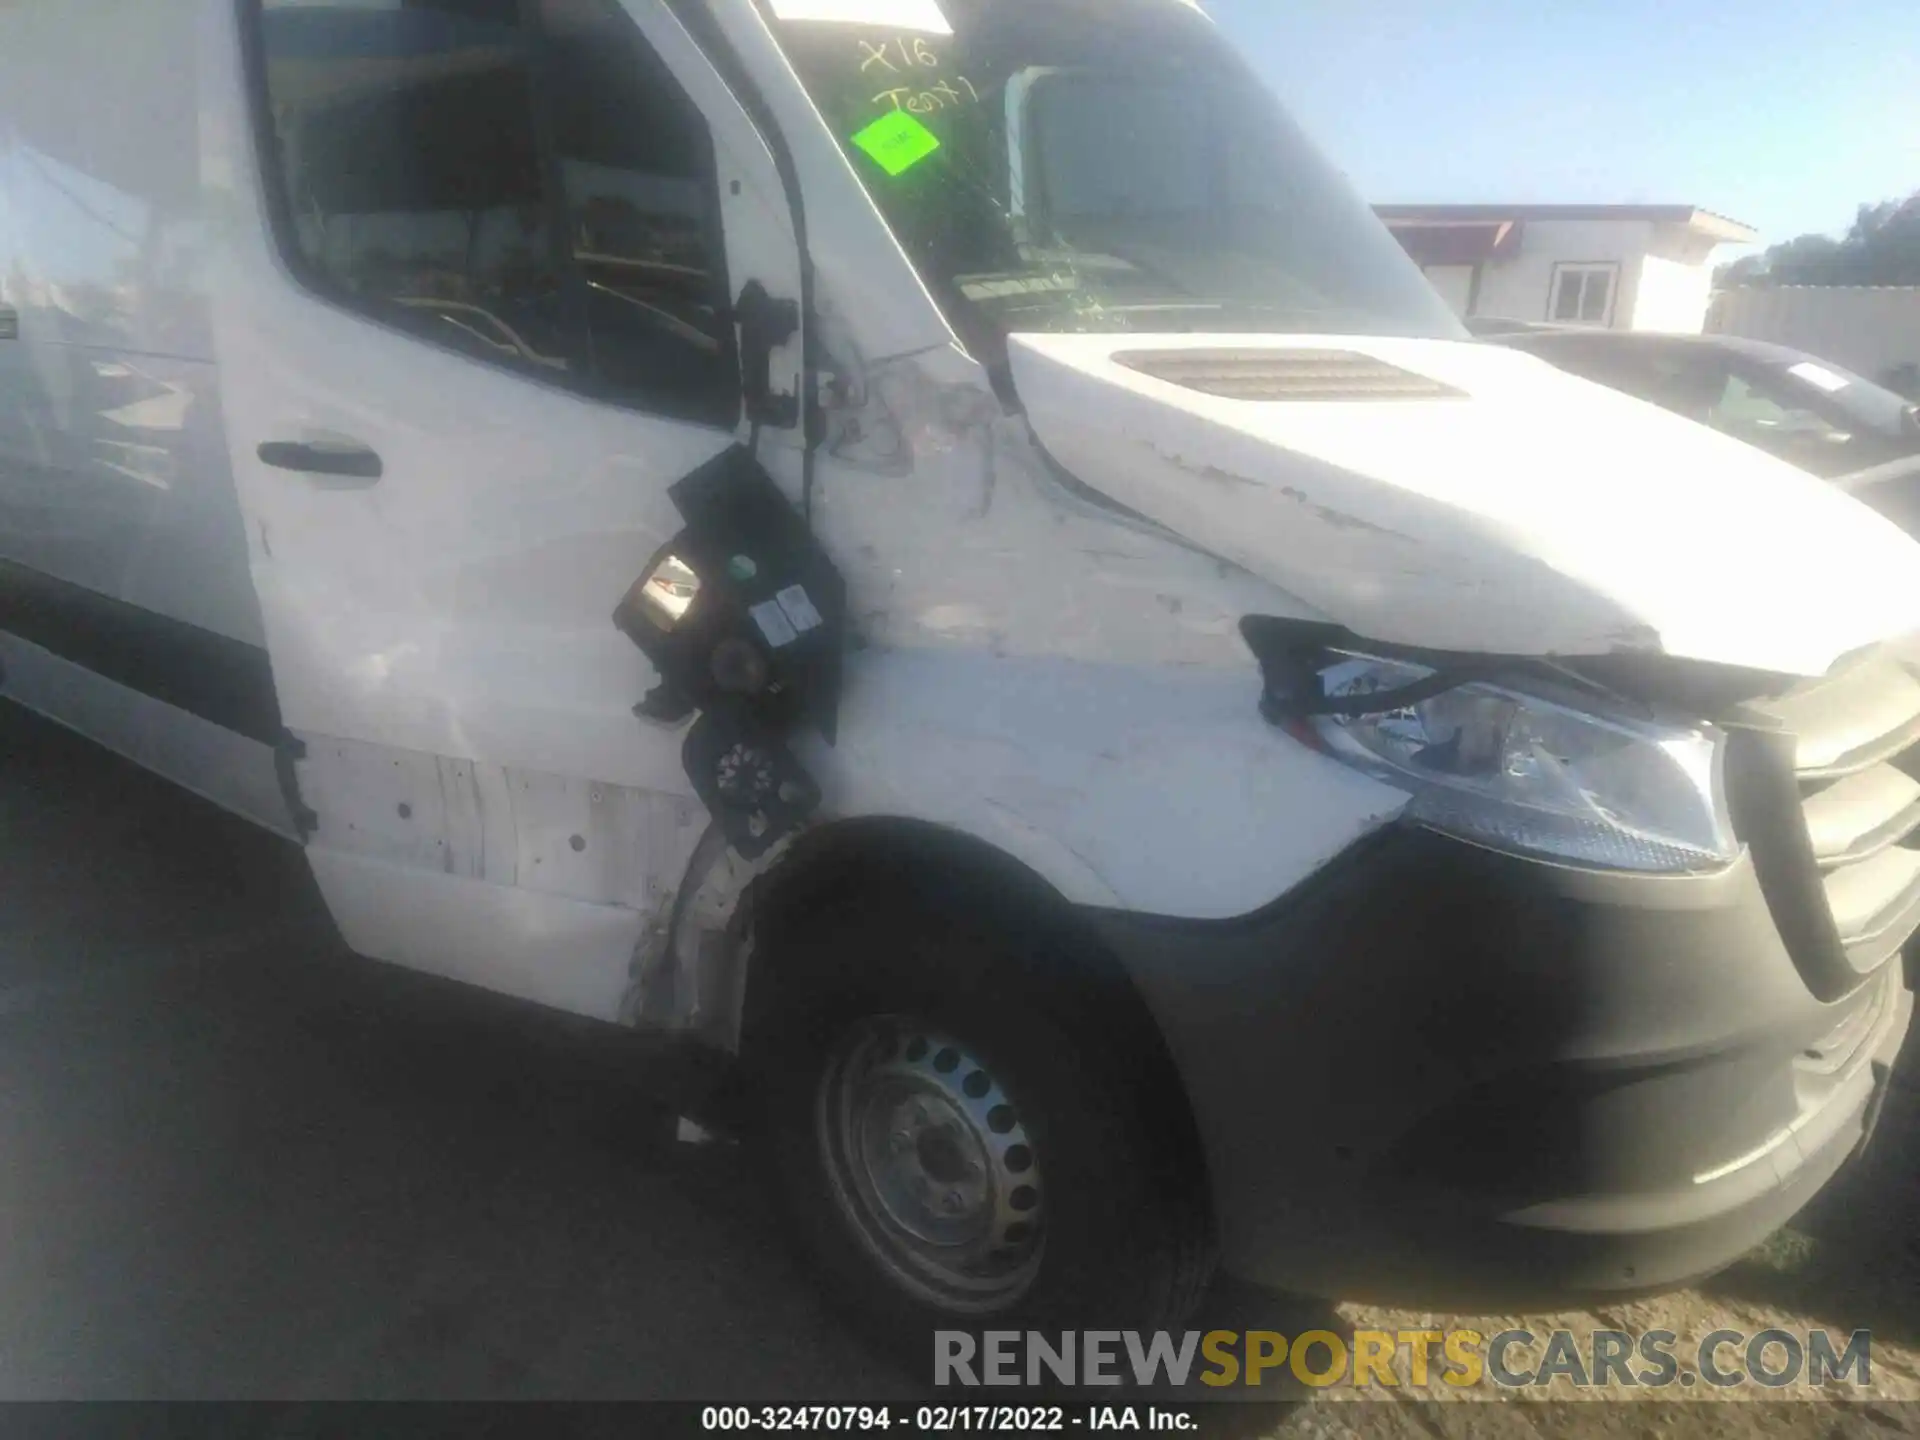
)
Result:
{"points": [[1272, 375]]}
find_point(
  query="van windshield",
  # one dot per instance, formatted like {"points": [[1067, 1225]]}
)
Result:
{"points": [[1096, 165]]}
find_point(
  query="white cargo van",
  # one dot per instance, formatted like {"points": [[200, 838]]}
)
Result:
{"points": [[935, 546]]}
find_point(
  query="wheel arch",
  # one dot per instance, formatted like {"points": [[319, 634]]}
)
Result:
{"points": [[933, 871]]}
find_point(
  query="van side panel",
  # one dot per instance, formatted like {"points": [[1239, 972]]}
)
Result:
{"points": [[113, 469], [232, 770]]}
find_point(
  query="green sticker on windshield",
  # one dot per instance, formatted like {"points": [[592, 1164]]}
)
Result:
{"points": [[897, 142]]}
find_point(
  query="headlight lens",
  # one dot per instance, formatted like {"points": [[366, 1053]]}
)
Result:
{"points": [[1518, 772]]}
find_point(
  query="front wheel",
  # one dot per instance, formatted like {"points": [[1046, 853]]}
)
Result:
{"points": [[959, 1155]]}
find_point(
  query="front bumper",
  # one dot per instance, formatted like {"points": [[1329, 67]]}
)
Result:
{"points": [[1438, 1075]]}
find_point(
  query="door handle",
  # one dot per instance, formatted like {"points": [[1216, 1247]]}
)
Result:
{"points": [[341, 461]]}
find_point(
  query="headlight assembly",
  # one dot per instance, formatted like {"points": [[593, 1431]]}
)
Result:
{"points": [[1519, 772]]}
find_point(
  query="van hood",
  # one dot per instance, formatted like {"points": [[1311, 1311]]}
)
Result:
{"points": [[1473, 498]]}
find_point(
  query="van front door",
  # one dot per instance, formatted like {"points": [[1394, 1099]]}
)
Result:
{"points": [[473, 319]]}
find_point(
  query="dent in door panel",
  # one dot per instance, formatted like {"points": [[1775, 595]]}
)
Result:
{"points": [[555, 834]]}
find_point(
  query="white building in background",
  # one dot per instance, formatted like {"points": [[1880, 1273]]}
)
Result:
{"points": [[1623, 267]]}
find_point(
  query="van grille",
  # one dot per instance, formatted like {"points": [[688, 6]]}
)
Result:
{"points": [[1285, 375], [1856, 753]]}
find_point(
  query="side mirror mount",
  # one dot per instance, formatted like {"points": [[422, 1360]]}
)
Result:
{"points": [[766, 323], [743, 616]]}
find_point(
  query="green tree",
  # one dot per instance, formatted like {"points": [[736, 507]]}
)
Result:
{"points": [[1881, 247]]}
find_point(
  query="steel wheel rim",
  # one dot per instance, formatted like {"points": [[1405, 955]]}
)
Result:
{"points": [[931, 1164]]}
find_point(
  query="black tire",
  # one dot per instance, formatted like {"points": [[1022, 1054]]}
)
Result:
{"points": [[1126, 1241]]}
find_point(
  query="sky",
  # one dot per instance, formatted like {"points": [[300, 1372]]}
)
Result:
{"points": [[1783, 115]]}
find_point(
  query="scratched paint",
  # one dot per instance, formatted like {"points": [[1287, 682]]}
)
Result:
{"points": [[954, 534]]}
